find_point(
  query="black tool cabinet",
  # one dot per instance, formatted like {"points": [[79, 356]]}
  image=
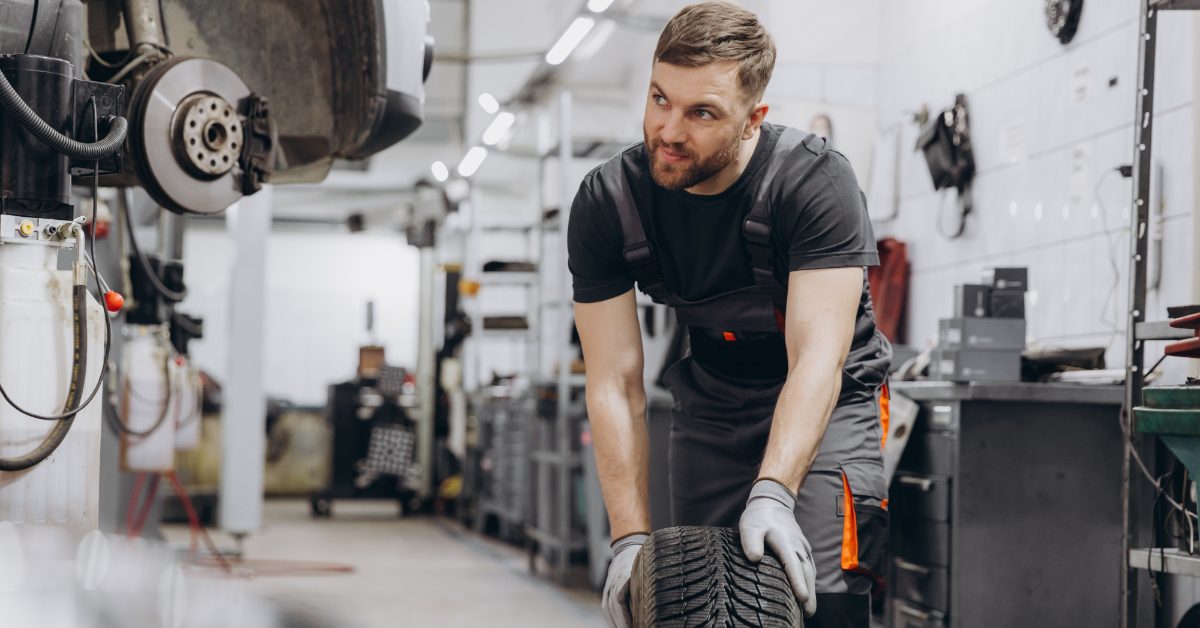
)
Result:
{"points": [[1006, 508]]}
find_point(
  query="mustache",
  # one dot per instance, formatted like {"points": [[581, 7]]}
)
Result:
{"points": [[679, 149]]}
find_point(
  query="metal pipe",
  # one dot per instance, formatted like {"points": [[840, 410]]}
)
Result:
{"points": [[425, 366], [1195, 364], [143, 23], [170, 235], [1134, 354], [1156, 237], [565, 502], [243, 415]]}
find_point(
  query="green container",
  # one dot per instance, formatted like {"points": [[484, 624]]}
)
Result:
{"points": [[1173, 413], [1167, 422], [1172, 397]]}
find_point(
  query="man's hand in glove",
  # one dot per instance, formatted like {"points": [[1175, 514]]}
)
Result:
{"points": [[615, 601], [769, 521]]}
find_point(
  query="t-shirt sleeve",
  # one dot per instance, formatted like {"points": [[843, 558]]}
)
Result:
{"points": [[823, 222], [594, 246]]}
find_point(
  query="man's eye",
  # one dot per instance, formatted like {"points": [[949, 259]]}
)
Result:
{"points": [[704, 115], [659, 100]]}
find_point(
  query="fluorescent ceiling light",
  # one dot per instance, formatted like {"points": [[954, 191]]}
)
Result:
{"points": [[496, 130], [489, 103], [569, 40], [594, 43], [440, 171], [472, 160], [598, 6]]}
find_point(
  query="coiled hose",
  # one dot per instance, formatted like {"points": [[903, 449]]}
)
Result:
{"points": [[37, 127], [58, 434]]}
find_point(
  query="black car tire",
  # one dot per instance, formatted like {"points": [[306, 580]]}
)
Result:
{"points": [[699, 576]]}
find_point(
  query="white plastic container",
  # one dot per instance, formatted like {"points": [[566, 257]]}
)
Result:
{"points": [[35, 368], [189, 394], [143, 394]]}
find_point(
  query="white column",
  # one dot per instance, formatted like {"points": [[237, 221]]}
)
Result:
{"points": [[426, 362], [243, 415]]}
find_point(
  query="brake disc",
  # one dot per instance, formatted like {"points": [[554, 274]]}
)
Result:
{"points": [[186, 135]]}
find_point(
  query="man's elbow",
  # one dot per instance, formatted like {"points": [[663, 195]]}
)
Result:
{"points": [[632, 387], [820, 366], [622, 384]]}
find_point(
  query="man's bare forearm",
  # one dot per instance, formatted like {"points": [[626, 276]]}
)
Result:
{"points": [[617, 413], [801, 415]]}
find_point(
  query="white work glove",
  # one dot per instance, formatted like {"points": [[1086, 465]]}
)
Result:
{"points": [[615, 601], [769, 520]]}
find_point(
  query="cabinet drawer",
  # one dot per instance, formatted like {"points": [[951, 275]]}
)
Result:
{"points": [[926, 585], [908, 615], [939, 416], [921, 496], [930, 453], [922, 542]]}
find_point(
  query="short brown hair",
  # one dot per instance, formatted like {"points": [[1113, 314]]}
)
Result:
{"points": [[720, 31]]}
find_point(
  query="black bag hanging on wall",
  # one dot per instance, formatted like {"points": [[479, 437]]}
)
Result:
{"points": [[945, 140]]}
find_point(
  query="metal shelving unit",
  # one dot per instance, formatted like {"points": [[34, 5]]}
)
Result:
{"points": [[556, 460], [504, 492], [1135, 555], [506, 415]]}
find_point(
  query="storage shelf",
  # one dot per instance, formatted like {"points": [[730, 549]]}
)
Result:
{"points": [[551, 540], [507, 228], [553, 457], [506, 278], [515, 334], [1168, 560], [1161, 330], [1175, 5]]}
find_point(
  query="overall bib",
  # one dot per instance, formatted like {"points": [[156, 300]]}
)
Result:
{"points": [[720, 425]]}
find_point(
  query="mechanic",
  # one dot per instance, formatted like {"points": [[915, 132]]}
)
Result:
{"points": [[757, 235]]}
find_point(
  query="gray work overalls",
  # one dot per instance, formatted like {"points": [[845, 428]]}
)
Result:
{"points": [[719, 427]]}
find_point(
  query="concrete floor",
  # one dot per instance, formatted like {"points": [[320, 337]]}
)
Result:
{"points": [[413, 572]]}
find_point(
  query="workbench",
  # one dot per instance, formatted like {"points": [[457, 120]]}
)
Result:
{"points": [[1006, 507]]}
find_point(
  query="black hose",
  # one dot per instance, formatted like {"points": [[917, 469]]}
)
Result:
{"points": [[37, 127], [70, 410], [170, 295], [58, 434], [120, 427]]}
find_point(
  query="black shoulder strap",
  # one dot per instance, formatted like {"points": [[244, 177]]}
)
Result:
{"points": [[757, 228], [639, 255]]}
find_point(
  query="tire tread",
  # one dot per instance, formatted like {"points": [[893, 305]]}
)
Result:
{"points": [[699, 576]]}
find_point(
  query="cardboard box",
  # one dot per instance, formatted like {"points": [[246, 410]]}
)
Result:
{"points": [[972, 301], [976, 366], [990, 334], [370, 358], [1008, 304]]}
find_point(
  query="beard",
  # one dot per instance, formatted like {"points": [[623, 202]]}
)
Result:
{"points": [[692, 171]]}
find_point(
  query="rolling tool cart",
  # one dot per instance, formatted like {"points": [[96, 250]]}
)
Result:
{"points": [[373, 449]]}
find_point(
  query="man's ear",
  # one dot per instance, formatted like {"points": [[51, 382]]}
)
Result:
{"points": [[754, 122]]}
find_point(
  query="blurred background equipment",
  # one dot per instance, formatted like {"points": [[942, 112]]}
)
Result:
{"points": [[374, 441], [104, 94]]}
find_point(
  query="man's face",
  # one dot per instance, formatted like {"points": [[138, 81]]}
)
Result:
{"points": [[695, 118]]}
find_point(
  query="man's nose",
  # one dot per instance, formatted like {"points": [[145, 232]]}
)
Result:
{"points": [[674, 131]]}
